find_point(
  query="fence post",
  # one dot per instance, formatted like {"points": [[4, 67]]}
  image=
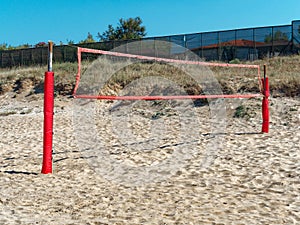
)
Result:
{"points": [[41, 56], [64, 54], [273, 53], [219, 50], [12, 59], [202, 55], [21, 58]]}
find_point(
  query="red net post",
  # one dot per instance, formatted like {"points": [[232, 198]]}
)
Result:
{"points": [[48, 115], [265, 103]]}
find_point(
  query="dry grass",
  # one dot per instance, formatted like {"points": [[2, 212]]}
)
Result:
{"points": [[284, 75], [283, 72], [142, 70], [31, 79]]}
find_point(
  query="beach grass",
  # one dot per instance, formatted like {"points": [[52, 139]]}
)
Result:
{"points": [[283, 73]]}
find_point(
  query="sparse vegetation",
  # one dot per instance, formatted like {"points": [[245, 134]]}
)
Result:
{"points": [[283, 72], [235, 61], [241, 112]]}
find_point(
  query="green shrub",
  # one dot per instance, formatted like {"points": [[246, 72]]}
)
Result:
{"points": [[240, 112]]}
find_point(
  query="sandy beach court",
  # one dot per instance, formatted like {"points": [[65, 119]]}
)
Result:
{"points": [[253, 178]]}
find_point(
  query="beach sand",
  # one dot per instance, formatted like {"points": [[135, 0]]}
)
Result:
{"points": [[252, 178]]}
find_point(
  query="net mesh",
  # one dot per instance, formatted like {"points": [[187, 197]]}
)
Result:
{"points": [[103, 74]]}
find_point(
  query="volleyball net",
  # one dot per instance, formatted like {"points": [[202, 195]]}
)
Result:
{"points": [[211, 69], [109, 75], [101, 71]]}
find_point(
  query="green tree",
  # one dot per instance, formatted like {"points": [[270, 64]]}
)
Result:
{"points": [[278, 36], [89, 39], [128, 29], [23, 46], [70, 42], [3, 46]]}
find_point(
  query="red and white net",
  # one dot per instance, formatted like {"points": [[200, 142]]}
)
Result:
{"points": [[99, 71]]}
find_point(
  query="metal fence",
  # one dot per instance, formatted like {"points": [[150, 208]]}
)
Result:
{"points": [[242, 44]]}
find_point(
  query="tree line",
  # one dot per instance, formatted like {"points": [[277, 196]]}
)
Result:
{"points": [[126, 29]]}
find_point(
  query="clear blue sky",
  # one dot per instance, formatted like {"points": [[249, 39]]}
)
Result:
{"points": [[32, 21]]}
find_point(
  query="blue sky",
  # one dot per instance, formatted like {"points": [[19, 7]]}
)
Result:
{"points": [[32, 21]]}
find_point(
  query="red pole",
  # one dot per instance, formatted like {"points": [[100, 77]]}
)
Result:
{"points": [[48, 114], [265, 103]]}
